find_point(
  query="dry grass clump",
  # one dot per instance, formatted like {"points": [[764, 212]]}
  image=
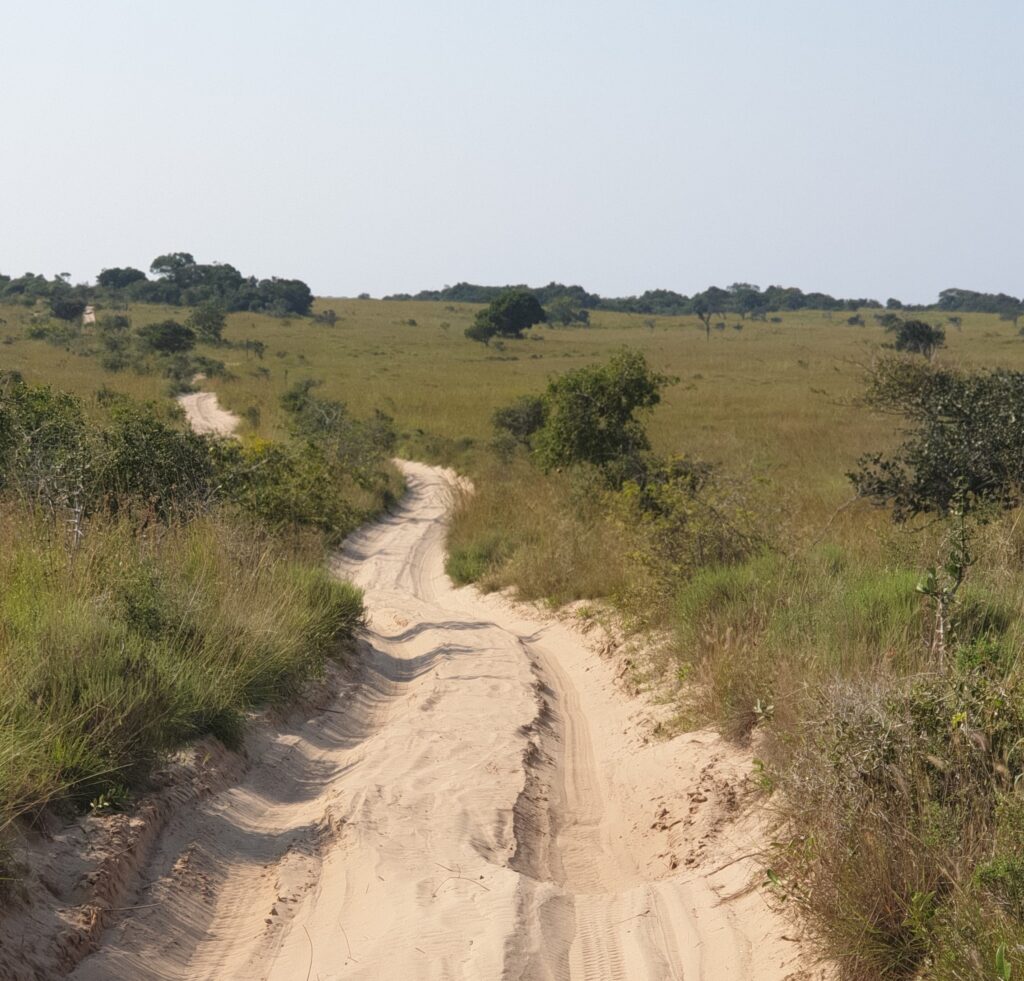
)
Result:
{"points": [[910, 830], [551, 537]]}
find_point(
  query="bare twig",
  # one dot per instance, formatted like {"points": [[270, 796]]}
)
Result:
{"points": [[456, 874]]}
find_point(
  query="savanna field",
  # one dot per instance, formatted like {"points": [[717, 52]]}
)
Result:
{"points": [[781, 609]]}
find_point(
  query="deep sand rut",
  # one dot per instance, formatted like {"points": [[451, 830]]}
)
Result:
{"points": [[477, 801]]}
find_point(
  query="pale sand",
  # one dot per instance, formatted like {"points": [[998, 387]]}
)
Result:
{"points": [[206, 416], [478, 802]]}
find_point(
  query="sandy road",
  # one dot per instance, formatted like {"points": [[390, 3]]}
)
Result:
{"points": [[205, 414], [478, 802]]}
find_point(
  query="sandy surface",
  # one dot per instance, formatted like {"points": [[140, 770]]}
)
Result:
{"points": [[205, 414], [478, 801]]}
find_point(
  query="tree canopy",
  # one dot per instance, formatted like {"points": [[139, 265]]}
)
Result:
{"points": [[118, 278], [507, 316], [915, 336], [592, 415], [964, 448]]}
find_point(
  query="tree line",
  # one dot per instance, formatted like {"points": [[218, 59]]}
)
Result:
{"points": [[175, 278], [740, 299]]}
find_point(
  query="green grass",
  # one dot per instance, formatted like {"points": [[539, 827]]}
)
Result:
{"points": [[118, 652]]}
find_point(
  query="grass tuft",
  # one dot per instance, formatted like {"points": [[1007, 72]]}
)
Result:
{"points": [[115, 655]]}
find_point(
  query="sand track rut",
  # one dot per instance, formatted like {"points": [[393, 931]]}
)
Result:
{"points": [[474, 801]]}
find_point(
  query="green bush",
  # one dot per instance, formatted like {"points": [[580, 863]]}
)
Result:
{"points": [[166, 337]]}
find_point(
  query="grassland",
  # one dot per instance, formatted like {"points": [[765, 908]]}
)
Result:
{"points": [[773, 397], [815, 642]]}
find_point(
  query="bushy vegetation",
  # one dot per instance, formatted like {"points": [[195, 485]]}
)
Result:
{"points": [[896, 770], [156, 585], [178, 280], [322, 478], [508, 315], [783, 604], [610, 518], [592, 416], [915, 336]]}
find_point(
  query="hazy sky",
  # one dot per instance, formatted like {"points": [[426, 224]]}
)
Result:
{"points": [[868, 148]]}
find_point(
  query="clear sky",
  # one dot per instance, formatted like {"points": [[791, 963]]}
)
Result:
{"points": [[869, 148]]}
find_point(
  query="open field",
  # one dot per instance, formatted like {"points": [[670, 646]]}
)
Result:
{"points": [[773, 400], [733, 391], [810, 641]]}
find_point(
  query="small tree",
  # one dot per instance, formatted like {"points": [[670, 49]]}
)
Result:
{"points": [[962, 461], [916, 337], [1011, 309], [67, 306], [746, 300], [167, 337], [208, 321], [711, 303], [479, 331], [507, 316], [591, 415], [565, 311]]}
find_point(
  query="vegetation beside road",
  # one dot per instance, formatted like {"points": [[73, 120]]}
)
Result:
{"points": [[799, 616], [155, 585]]}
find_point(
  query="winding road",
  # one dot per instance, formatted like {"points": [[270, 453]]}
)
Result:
{"points": [[473, 800]]}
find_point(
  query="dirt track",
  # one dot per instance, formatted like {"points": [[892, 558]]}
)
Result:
{"points": [[478, 802], [205, 414]]}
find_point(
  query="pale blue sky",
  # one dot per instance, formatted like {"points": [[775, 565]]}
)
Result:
{"points": [[862, 148]]}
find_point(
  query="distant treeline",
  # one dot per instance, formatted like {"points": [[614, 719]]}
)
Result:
{"points": [[177, 280], [743, 299]]}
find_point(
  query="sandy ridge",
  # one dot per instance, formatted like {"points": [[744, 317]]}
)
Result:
{"points": [[480, 802]]}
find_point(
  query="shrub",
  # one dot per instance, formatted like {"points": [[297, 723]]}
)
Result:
{"points": [[915, 336], [592, 415], [167, 337], [147, 464], [522, 418], [67, 306], [207, 321]]}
